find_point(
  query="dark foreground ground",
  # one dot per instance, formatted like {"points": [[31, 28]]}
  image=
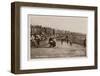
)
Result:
{"points": [[60, 51]]}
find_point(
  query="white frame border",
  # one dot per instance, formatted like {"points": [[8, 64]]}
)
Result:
{"points": [[53, 63]]}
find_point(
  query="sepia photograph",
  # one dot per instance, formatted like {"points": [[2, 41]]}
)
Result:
{"points": [[52, 36]]}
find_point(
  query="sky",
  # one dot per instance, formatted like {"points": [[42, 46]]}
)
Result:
{"points": [[68, 23]]}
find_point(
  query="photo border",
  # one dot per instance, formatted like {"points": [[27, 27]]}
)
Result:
{"points": [[29, 57], [15, 37]]}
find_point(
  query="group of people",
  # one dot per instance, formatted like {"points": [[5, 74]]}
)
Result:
{"points": [[36, 39], [67, 39]]}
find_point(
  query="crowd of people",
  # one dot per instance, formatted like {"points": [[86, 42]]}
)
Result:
{"points": [[41, 34], [36, 39]]}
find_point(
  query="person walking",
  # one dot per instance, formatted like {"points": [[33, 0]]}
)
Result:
{"points": [[85, 42]]}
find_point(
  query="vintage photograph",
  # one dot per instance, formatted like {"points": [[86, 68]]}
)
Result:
{"points": [[57, 36], [53, 37]]}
